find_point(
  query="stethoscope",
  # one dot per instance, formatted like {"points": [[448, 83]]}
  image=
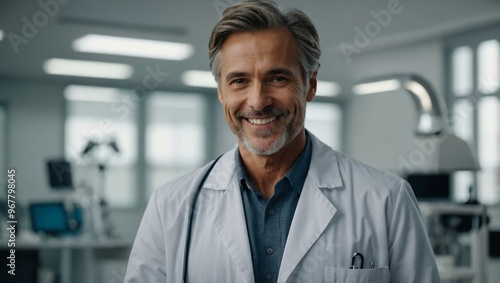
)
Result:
{"points": [[190, 221]]}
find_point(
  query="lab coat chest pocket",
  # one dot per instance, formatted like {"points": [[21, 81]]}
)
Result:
{"points": [[344, 275]]}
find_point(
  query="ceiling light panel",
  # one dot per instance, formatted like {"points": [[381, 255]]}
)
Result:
{"points": [[133, 47], [93, 69], [91, 93]]}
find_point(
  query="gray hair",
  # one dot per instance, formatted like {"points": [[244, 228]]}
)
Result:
{"points": [[253, 15]]}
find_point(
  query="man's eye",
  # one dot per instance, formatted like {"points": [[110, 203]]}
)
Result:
{"points": [[279, 79], [238, 81]]}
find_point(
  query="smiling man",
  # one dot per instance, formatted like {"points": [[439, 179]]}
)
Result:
{"points": [[281, 206], [264, 93]]}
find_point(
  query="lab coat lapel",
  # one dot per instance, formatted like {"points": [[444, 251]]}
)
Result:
{"points": [[228, 220], [312, 215], [314, 210]]}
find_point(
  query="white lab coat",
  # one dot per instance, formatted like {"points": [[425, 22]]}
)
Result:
{"points": [[345, 207]]}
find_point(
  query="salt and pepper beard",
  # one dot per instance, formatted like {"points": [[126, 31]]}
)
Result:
{"points": [[286, 136]]}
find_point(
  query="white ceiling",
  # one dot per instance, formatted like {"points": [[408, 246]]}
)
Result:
{"points": [[191, 21]]}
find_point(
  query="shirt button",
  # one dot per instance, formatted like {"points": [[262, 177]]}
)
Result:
{"points": [[269, 276], [272, 212], [269, 251]]}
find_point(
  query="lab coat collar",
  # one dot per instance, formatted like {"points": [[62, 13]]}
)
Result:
{"points": [[323, 170]]}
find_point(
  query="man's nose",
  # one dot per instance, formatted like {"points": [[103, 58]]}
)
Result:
{"points": [[258, 98]]}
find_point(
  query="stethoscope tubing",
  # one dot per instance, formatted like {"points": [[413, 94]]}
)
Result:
{"points": [[190, 221]]}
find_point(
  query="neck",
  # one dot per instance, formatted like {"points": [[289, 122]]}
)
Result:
{"points": [[265, 171]]}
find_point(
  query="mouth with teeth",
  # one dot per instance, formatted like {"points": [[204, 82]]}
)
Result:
{"points": [[262, 121]]}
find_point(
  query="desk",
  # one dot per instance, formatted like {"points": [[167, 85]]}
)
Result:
{"points": [[67, 246]]}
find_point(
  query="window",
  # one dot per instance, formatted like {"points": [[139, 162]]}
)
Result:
{"points": [[462, 70], [175, 136], [324, 120], [464, 128], [474, 97], [103, 116], [488, 148], [488, 64]]}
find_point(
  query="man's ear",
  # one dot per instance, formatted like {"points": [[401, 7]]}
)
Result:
{"points": [[313, 84]]}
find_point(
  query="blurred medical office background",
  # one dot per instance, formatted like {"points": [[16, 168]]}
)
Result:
{"points": [[103, 101]]}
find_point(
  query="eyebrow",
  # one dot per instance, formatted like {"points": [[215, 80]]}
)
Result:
{"points": [[281, 71], [276, 71]]}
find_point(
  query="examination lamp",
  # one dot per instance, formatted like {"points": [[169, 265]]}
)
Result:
{"points": [[430, 118], [450, 153], [89, 147], [92, 145], [101, 156]]}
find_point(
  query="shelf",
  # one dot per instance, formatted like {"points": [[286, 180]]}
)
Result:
{"points": [[430, 208]]}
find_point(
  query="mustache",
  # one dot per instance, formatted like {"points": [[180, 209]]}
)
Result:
{"points": [[267, 111]]}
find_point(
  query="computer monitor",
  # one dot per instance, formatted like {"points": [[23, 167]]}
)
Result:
{"points": [[50, 218], [60, 176], [430, 187]]}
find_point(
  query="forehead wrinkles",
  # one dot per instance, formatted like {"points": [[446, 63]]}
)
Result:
{"points": [[243, 50]]}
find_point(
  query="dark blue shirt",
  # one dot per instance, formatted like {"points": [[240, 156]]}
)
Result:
{"points": [[268, 221]]}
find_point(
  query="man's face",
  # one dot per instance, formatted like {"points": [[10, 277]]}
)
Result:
{"points": [[263, 90]]}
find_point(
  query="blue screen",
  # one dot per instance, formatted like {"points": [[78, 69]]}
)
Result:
{"points": [[50, 218]]}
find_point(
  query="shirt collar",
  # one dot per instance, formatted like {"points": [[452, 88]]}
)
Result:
{"points": [[296, 175]]}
